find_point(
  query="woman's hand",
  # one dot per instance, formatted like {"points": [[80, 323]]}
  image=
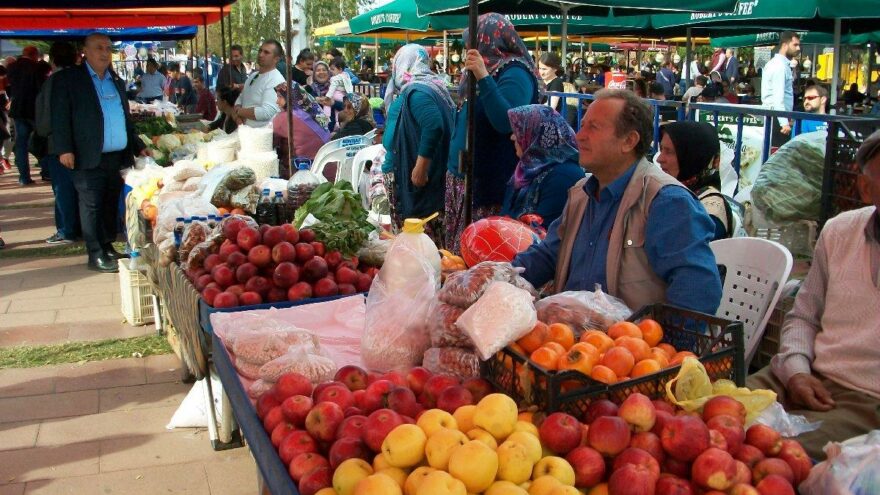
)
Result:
{"points": [[419, 174], [325, 100], [473, 62]]}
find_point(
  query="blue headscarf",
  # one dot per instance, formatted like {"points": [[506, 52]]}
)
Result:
{"points": [[545, 139]]}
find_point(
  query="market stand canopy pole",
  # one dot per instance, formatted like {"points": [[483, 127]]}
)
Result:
{"points": [[80, 14]]}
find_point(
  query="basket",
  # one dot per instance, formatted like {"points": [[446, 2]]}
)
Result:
{"points": [[839, 190], [717, 342], [136, 294], [769, 344], [181, 301]]}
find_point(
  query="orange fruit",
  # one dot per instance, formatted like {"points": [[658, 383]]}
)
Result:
{"points": [[545, 357], [624, 329], [603, 374], [526, 416], [652, 332], [516, 347], [619, 359], [599, 339], [659, 355], [645, 367], [670, 351], [586, 348], [679, 357], [578, 360], [534, 339], [561, 334], [555, 346], [638, 347]]}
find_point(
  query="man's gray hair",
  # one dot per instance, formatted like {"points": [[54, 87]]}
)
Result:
{"points": [[636, 115]]}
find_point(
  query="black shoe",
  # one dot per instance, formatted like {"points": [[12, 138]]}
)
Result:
{"points": [[113, 254], [103, 264], [26, 182], [58, 239]]}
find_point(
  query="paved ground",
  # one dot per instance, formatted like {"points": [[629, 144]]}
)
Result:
{"points": [[98, 427]]}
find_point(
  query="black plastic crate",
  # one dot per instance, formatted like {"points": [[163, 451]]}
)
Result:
{"points": [[717, 342], [839, 190]]}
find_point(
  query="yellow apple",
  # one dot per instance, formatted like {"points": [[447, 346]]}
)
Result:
{"points": [[497, 414], [530, 442], [554, 466], [348, 474], [404, 446], [600, 489], [415, 479], [505, 488], [475, 464], [441, 444], [526, 427], [543, 485], [377, 484], [397, 474], [441, 483], [464, 416], [514, 463], [483, 436], [380, 463], [434, 419], [565, 490], [326, 491]]}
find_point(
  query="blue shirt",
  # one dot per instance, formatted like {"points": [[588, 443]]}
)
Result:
{"points": [[677, 239], [115, 134], [812, 126], [152, 85]]}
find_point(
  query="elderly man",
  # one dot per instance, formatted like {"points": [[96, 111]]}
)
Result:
{"points": [[826, 368], [630, 228], [93, 135], [257, 105]]}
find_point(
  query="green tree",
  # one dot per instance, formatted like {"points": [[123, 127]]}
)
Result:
{"points": [[249, 23]]}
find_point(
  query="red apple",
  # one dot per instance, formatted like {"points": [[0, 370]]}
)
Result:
{"points": [[273, 236], [378, 425], [454, 397], [280, 432], [245, 272], [348, 448], [337, 393], [299, 291], [650, 443], [354, 377], [772, 465], [306, 235], [682, 469], [794, 454], [561, 433], [248, 237], [743, 489], [479, 387], [589, 466], [433, 387], [673, 485], [265, 403], [724, 404], [352, 426], [774, 485], [290, 384], [296, 408], [662, 405], [749, 455], [304, 251], [376, 396], [637, 457], [714, 469], [305, 463], [323, 421], [598, 408], [743, 473], [717, 440], [395, 377], [274, 418], [765, 438], [632, 480], [403, 401], [660, 420], [609, 435], [638, 411], [319, 388], [685, 437], [315, 480], [730, 428]]}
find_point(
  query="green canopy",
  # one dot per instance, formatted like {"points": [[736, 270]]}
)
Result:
{"points": [[361, 40], [401, 15], [585, 7], [769, 38], [581, 24]]}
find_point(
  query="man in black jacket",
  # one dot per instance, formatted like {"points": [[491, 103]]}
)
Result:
{"points": [[25, 80], [93, 135]]}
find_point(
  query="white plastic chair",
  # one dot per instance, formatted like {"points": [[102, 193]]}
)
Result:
{"points": [[343, 157], [371, 135], [359, 164], [757, 270], [336, 144]]}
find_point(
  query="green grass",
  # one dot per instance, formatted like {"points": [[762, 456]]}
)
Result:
{"points": [[24, 206], [75, 249], [78, 352]]}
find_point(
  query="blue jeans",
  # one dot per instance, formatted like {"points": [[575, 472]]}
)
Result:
{"points": [[23, 130], [66, 199]]}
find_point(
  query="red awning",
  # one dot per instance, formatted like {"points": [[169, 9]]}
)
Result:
{"points": [[108, 18]]}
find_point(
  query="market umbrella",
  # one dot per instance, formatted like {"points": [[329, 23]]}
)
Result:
{"points": [[154, 33], [402, 15], [768, 38]]}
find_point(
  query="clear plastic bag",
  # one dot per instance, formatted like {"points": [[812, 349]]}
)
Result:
{"points": [[788, 425], [247, 369], [186, 169], [789, 185], [455, 361], [300, 359], [464, 288], [245, 198], [583, 310], [373, 253], [258, 388], [179, 205], [396, 333], [851, 469], [441, 326], [195, 233], [503, 314], [262, 347]]}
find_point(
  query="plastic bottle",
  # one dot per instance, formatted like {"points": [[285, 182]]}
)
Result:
{"points": [[266, 210], [281, 210], [301, 184], [407, 254], [178, 231], [135, 262]]}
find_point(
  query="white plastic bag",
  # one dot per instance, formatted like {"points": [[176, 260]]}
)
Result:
{"points": [[852, 468], [583, 310], [503, 314], [788, 425], [193, 411]]}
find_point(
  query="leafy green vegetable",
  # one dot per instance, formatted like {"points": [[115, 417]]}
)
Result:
{"points": [[345, 236], [333, 202], [152, 126]]}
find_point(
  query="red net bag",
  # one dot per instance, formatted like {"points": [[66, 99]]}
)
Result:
{"points": [[495, 239]]}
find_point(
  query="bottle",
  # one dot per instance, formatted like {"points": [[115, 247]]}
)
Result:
{"points": [[265, 210], [136, 263], [301, 184], [281, 208], [178, 231], [407, 254]]}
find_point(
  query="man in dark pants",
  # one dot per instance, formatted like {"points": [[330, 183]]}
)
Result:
{"points": [[93, 135], [24, 84]]}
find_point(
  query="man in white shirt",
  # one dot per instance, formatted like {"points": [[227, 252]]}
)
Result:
{"points": [[258, 104], [777, 81]]}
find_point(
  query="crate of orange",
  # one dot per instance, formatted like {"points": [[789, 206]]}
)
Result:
{"points": [[558, 368]]}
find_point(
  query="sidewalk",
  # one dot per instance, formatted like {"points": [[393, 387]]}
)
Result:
{"points": [[94, 427]]}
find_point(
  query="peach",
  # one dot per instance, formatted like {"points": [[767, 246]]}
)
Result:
{"points": [[273, 236], [247, 238], [765, 438], [714, 469]]}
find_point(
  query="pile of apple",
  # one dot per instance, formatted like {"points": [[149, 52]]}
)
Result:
{"points": [[273, 264], [317, 429]]}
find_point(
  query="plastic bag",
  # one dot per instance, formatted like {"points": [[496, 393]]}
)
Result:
{"points": [[851, 469], [245, 198], [442, 328], [185, 169], [258, 388], [262, 347], [583, 310], [192, 184], [194, 234], [300, 359], [788, 425], [464, 288], [373, 253], [693, 388], [455, 361], [396, 333], [789, 185], [173, 207], [222, 181], [503, 314], [193, 411], [495, 239], [247, 369]]}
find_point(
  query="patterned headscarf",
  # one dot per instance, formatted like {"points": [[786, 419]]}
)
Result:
{"points": [[304, 103], [412, 65], [358, 101], [320, 88], [545, 139], [499, 44]]}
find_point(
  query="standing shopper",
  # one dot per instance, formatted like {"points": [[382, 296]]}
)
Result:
{"points": [[777, 83], [184, 95], [5, 134], [548, 68], [24, 84], [731, 70], [232, 75], [505, 74], [152, 83], [258, 103], [67, 223], [93, 135]]}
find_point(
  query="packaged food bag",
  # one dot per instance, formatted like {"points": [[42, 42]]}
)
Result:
{"points": [[302, 359], [503, 314], [441, 326], [789, 185], [583, 310], [463, 363], [852, 468], [463, 288]]}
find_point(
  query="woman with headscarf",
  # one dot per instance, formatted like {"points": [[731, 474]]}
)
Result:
{"points": [[548, 163], [418, 128], [354, 118], [319, 87], [690, 152], [309, 124], [506, 78]]}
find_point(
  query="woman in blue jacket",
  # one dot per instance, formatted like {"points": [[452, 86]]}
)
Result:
{"points": [[418, 128], [506, 78], [548, 163]]}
